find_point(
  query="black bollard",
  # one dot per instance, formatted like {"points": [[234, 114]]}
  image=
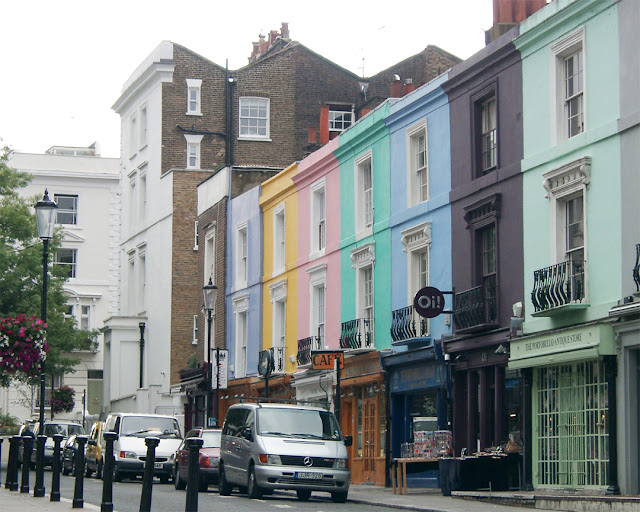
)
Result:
{"points": [[55, 468], [78, 491], [147, 481], [38, 488], [1, 439], [12, 468], [107, 473], [194, 444], [27, 441]]}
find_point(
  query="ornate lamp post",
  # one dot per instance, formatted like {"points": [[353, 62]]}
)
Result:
{"points": [[46, 220], [210, 292]]}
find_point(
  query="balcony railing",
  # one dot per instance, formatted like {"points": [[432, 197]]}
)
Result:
{"points": [[476, 309], [406, 324], [305, 346], [357, 334], [636, 269], [558, 285]]}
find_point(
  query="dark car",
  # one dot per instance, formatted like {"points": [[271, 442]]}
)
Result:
{"points": [[207, 459], [69, 451]]}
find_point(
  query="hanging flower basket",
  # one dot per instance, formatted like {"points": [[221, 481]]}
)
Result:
{"points": [[62, 399], [22, 346]]}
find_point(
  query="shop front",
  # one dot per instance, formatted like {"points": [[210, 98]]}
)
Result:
{"points": [[194, 385], [418, 393], [572, 376], [362, 415], [314, 388]]}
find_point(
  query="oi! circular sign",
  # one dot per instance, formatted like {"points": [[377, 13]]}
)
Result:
{"points": [[429, 302]]}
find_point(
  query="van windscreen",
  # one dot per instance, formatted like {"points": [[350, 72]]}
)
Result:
{"points": [[144, 426], [300, 423]]}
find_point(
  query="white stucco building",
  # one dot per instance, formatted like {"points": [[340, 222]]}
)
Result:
{"points": [[85, 187]]}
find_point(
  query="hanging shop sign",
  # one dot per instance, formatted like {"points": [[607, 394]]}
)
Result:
{"points": [[429, 302], [221, 370], [324, 359]]}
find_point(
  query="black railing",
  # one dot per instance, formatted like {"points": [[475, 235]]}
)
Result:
{"points": [[558, 285], [404, 322], [305, 346], [357, 334], [477, 308], [636, 269]]}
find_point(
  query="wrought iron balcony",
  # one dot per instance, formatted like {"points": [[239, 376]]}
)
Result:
{"points": [[636, 269], [406, 324], [476, 309], [357, 334], [558, 286], [305, 346]]}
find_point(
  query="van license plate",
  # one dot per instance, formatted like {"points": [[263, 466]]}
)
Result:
{"points": [[157, 465], [307, 475]]}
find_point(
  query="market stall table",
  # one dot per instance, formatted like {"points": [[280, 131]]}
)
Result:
{"points": [[416, 465]]}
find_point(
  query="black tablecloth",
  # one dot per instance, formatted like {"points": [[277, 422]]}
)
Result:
{"points": [[472, 473]]}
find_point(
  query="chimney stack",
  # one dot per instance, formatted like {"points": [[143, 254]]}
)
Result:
{"points": [[409, 86], [396, 88], [284, 30], [508, 13]]}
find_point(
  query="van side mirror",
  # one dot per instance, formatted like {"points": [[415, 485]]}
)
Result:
{"points": [[348, 440], [247, 433]]}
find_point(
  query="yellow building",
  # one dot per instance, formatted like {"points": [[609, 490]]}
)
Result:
{"points": [[279, 203]]}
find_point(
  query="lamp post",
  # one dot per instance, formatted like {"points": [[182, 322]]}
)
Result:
{"points": [[46, 220], [210, 292]]}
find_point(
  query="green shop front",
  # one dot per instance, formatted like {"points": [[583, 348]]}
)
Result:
{"points": [[570, 390]]}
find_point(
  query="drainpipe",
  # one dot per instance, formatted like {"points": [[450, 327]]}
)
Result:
{"points": [[141, 325], [610, 368]]}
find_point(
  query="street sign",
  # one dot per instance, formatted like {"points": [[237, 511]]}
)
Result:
{"points": [[265, 364], [324, 359], [429, 302], [220, 374]]}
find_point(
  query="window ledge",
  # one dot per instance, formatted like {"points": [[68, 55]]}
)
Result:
{"points": [[262, 139], [314, 255], [566, 308], [193, 114]]}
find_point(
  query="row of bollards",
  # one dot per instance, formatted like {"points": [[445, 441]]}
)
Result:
{"points": [[11, 483]]}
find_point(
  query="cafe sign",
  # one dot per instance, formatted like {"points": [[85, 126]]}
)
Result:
{"points": [[325, 359]]}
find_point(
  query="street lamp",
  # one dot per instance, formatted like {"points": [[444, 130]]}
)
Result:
{"points": [[46, 221], [209, 293]]}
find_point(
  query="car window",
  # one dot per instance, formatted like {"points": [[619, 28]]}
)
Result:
{"points": [[143, 426], [234, 422], [211, 439]]}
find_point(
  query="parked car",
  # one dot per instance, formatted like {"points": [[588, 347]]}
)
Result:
{"points": [[93, 453], [69, 451], [130, 450], [276, 446], [66, 428], [207, 460]]}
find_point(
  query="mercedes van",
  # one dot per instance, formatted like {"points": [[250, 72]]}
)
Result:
{"points": [[276, 446], [130, 450]]}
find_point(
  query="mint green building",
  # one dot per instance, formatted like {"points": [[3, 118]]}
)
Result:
{"points": [[572, 241]]}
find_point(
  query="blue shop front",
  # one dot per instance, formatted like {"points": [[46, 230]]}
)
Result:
{"points": [[419, 394]]}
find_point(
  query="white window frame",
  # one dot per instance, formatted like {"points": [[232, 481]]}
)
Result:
{"points": [[318, 308], [73, 265], [133, 178], [144, 120], [195, 235], [193, 151], [416, 241], [363, 259], [338, 124], [564, 48], [131, 288], [73, 210], [245, 102], [241, 312], [194, 85], [563, 184], [194, 341], [242, 251], [279, 239], [416, 194], [209, 254], [85, 317], [489, 132], [141, 291], [142, 207], [318, 230], [133, 135], [364, 198], [278, 293]]}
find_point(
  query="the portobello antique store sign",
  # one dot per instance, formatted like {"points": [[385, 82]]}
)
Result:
{"points": [[586, 342]]}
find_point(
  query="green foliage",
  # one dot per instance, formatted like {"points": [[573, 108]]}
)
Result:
{"points": [[21, 276], [9, 425], [192, 363]]}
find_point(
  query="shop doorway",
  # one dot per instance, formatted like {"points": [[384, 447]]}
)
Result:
{"points": [[369, 416]]}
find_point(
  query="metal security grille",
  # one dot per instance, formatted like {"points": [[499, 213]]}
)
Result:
{"points": [[571, 425]]}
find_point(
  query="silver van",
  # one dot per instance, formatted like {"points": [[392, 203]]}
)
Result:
{"points": [[276, 446], [130, 450]]}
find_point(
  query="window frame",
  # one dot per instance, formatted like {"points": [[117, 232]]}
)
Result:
{"points": [[364, 206], [241, 312], [415, 186], [209, 270], [141, 289], [317, 311], [194, 85], [416, 240], [193, 143], [144, 120], [318, 207], [73, 211], [334, 112], [133, 135], [73, 264], [363, 259], [488, 91], [278, 294], [279, 239], [242, 251], [247, 135]]}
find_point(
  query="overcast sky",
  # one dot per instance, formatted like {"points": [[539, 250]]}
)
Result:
{"points": [[64, 63]]}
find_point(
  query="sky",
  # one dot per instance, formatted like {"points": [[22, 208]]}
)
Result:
{"points": [[64, 63]]}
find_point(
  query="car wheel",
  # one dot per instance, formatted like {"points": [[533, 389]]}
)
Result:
{"points": [[253, 489], [178, 482], [99, 470], [339, 497], [303, 494], [224, 487]]}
